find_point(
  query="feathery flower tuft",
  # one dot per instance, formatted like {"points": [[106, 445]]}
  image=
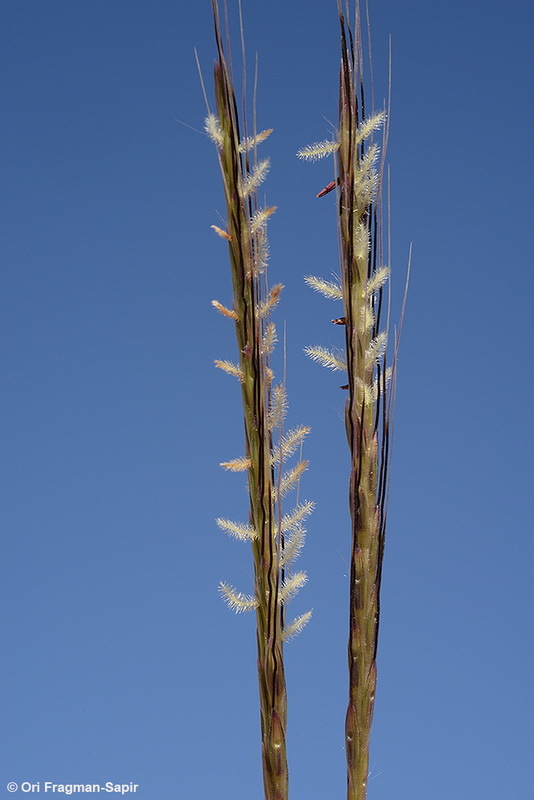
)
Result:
{"points": [[221, 233], [259, 219], [289, 443], [329, 289], [254, 179], [213, 129], [299, 513], [376, 349], [377, 280], [293, 545], [314, 152], [327, 358], [371, 393], [290, 479], [277, 407], [260, 257], [230, 368], [237, 601], [295, 627], [291, 586], [238, 530], [368, 161], [272, 300], [269, 339], [361, 240], [368, 126], [252, 141], [226, 312], [237, 464]]}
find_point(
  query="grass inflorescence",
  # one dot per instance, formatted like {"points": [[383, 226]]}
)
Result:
{"points": [[367, 413], [276, 537]]}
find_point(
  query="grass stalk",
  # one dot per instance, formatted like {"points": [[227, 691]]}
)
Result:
{"points": [[366, 415], [367, 408], [367, 411], [275, 538]]}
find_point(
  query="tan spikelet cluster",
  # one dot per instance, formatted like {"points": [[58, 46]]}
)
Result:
{"points": [[221, 233], [227, 312]]}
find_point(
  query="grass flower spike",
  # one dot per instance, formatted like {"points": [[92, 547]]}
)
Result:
{"points": [[275, 537], [368, 405]]}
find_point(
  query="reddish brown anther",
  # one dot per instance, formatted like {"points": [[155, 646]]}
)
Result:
{"points": [[329, 188]]}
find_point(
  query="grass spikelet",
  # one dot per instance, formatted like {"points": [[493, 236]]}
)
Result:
{"points": [[237, 464], [226, 312], [221, 233], [238, 530], [327, 358], [314, 152], [230, 368], [237, 601], [295, 627], [327, 288]]}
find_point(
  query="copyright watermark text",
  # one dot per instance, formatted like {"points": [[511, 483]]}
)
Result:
{"points": [[72, 788]]}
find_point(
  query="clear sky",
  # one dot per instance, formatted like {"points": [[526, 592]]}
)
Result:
{"points": [[119, 661]]}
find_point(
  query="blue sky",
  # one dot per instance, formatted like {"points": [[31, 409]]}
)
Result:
{"points": [[120, 662]]}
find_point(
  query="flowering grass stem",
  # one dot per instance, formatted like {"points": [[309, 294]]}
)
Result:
{"points": [[276, 538], [368, 406]]}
